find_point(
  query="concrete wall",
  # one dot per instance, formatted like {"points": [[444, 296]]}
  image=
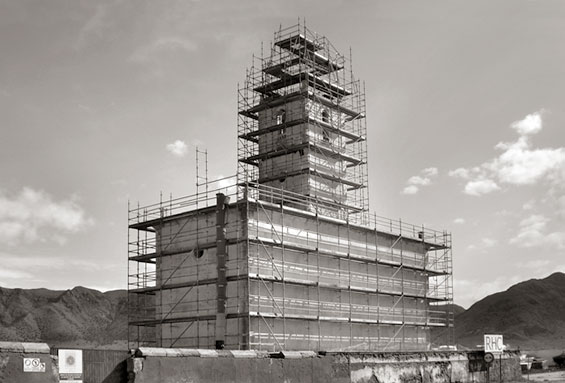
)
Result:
{"points": [[12, 356], [313, 186], [278, 167], [201, 333], [196, 230], [177, 365], [193, 271]]}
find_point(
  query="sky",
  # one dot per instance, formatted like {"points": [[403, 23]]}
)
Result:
{"points": [[103, 102]]}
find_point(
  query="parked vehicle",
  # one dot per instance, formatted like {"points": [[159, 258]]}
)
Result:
{"points": [[560, 360]]}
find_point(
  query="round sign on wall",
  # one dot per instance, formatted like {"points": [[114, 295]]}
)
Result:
{"points": [[489, 357]]}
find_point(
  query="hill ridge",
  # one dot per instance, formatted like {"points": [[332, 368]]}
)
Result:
{"points": [[529, 314], [77, 316]]}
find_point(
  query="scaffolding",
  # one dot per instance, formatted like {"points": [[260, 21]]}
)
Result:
{"points": [[291, 258], [295, 279], [301, 123]]}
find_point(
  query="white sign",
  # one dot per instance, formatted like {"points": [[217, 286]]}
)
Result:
{"points": [[70, 366], [33, 365], [494, 344]]}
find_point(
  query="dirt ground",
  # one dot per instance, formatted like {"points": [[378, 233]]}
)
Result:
{"points": [[550, 376]]}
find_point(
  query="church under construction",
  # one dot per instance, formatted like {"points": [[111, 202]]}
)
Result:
{"points": [[289, 257]]}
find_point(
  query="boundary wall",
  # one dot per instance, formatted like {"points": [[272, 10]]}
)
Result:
{"points": [[166, 365], [192, 365]]}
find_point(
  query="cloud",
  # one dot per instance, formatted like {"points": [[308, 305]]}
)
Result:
{"points": [[459, 221], [33, 216], [521, 165], [410, 189], [531, 124], [517, 164], [480, 187], [424, 178], [430, 172], [533, 232], [178, 148], [459, 172]]}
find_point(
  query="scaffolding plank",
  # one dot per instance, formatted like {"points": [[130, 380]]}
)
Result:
{"points": [[272, 102], [314, 172], [337, 107], [157, 254], [172, 286], [283, 82], [339, 287], [276, 70], [327, 126], [152, 224], [319, 83], [310, 145], [280, 100], [298, 39], [153, 322], [250, 114], [302, 46], [343, 319], [338, 254]]}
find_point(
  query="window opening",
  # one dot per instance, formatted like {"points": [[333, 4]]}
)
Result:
{"points": [[281, 117]]}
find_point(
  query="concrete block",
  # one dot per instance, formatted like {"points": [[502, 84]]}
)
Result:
{"points": [[244, 354], [36, 348], [150, 351], [208, 353], [11, 347]]}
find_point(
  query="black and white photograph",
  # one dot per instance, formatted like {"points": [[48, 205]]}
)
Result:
{"points": [[282, 191]]}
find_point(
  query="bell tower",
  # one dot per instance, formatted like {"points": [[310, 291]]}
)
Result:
{"points": [[302, 123]]}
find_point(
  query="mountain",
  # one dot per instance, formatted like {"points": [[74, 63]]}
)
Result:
{"points": [[530, 314], [79, 317], [457, 310]]}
